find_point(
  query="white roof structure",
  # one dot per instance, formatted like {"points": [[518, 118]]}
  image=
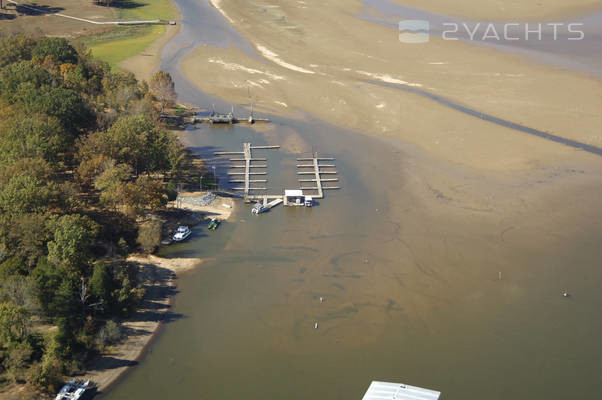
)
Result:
{"points": [[293, 193], [398, 391]]}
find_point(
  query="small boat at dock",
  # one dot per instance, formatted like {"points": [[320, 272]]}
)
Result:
{"points": [[259, 208], [213, 224], [182, 233], [74, 390]]}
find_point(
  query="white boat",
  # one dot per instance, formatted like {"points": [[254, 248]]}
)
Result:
{"points": [[74, 390], [259, 208], [181, 234]]}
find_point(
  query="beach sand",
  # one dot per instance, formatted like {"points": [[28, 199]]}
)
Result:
{"points": [[221, 208], [145, 64]]}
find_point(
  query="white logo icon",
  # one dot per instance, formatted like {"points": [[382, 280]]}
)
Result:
{"points": [[414, 25]]}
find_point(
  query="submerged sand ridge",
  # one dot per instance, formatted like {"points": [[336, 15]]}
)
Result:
{"points": [[344, 51]]}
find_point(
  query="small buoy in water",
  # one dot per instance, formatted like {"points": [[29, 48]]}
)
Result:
{"points": [[316, 325], [565, 293], [321, 299]]}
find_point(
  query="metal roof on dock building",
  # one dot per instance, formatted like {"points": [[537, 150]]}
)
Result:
{"points": [[398, 391]]}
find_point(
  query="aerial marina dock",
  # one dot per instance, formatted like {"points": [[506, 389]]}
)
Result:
{"points": [[225, 119], [213, 118], [251, 173]]}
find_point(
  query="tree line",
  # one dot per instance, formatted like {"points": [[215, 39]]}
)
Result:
{"points": [[83, 159]]}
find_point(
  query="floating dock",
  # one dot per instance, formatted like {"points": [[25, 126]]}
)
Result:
{"points": [[317, 172], [247, 153], [272, 203]]}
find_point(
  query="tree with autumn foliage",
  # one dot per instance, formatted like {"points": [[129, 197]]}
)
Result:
{"points": [[163, 89]]}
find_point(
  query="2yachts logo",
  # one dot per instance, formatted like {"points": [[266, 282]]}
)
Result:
{"points": [[513, 31]]}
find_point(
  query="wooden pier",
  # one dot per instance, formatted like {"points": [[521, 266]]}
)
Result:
{"points": [[317, 173], [247, 153]]}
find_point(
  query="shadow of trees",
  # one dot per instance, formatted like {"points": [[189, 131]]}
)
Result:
{"points": [[155, 306], [125, 4], [7, 17], [108, 362], [222, 164], [40, 9]]}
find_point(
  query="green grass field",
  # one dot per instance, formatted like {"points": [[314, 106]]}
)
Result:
{"points": [[127, 41]]}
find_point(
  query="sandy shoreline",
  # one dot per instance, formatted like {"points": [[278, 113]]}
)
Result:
{"points": [[145, 64], [159, 275], [221, 208]]}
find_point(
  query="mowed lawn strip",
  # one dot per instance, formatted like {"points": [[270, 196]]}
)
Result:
{"points": [[127, 41]]}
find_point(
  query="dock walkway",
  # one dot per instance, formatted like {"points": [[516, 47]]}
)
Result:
{"points": [[317, 173], [247, 153]]}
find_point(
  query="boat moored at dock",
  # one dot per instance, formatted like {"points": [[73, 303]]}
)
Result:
{"points": [[259, 208], [213, 224], [182, 233], [75, 390]]}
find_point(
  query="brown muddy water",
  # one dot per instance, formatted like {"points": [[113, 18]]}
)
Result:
{"points": [[407, 257]]}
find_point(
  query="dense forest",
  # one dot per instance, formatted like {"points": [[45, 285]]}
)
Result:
{"points": [[83, 161]]}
